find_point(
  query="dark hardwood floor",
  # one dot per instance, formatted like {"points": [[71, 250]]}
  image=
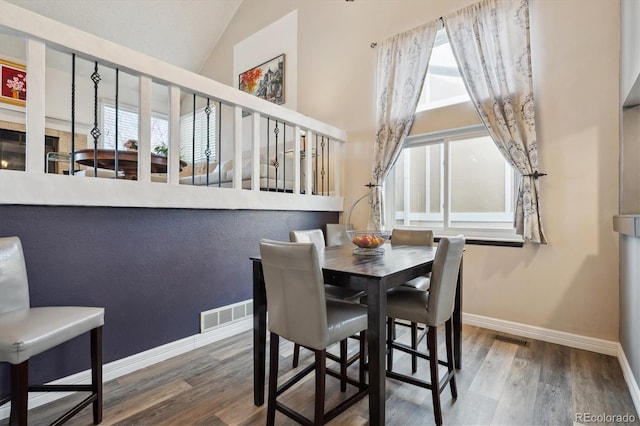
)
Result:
{"points": [[502, 382]]}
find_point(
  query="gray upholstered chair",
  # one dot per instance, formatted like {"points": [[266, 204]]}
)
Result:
{"points": [[414, 237], [336, 234], [300, 312], [431, 308], [316, 237], [27, 331]]}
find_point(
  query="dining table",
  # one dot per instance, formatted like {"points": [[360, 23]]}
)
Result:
{"points": [[375, 275], [125, 160]]}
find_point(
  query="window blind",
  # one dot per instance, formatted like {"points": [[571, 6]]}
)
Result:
{"points": [[128, 127]]}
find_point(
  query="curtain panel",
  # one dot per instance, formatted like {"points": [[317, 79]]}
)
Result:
{"points": [[401, 69], [490, 41]]}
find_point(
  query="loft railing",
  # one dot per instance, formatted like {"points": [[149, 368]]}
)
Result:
{"points": [[270, 148]]}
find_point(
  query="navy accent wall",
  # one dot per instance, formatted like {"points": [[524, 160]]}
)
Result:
{"points": [[154, 270]]}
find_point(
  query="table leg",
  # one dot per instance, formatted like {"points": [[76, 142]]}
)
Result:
{"points": [[259, 333], [457, 321], [376, 307]]}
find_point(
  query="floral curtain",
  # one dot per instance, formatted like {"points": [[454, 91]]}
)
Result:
{"points": [[490, 40], [402, 67]]}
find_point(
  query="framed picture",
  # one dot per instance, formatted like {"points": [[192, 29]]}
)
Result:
{"points": [[266, 80], [14, 83]]}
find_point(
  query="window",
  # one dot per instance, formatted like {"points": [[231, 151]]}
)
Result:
{"points": [[455, 182], [187, 145], [128, 127], [443, 84]]}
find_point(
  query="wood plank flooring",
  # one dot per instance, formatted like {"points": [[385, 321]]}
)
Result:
{"points": [[501, 383]]}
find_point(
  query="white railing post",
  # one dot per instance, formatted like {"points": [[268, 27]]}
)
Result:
{"points": [[255, 146], [337, 154], [308, 167], [35, 121], [296, 160], [173, 166], [237, 143], [144, 131]]}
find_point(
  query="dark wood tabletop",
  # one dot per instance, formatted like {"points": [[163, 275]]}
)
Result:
{"points": [[375, 275]]}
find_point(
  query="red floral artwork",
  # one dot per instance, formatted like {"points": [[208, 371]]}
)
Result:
{"points": [[13, 83]]}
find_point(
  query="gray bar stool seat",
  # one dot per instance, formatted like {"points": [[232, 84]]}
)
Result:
{"points": [[300, 312], [27, 331]]}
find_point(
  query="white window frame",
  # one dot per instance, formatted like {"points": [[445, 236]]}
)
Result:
{"points": [[444, 215], [441, 39], [105, 103]]}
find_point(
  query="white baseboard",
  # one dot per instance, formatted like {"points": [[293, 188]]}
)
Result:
{"points": [[632, 384], [127, 365], [592, 344]]}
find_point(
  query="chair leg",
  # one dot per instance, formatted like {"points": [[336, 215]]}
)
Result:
{"points": [[96, 373], [363, 353], [432, 343], [414, 346], [274, 349], [343, 365], [391, 325], [321, 371], [450, 360], [296, 355], [19, 393]]}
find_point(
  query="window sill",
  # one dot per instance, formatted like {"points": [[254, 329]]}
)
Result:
{"points": [[476, 241]]}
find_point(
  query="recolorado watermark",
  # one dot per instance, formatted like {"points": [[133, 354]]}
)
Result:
{"points": [[604, 418]]}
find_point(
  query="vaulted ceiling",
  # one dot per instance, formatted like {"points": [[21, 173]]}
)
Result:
{"points": [[181, 32]]}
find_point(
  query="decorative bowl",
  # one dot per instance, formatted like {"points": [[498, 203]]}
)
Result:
{"points": [[368, 242]]}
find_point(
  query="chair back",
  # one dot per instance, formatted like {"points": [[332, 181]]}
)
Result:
{"points": [[295, 292], [314, 236], [14, 286], [412, 237], [444, 277], [336, 234]]}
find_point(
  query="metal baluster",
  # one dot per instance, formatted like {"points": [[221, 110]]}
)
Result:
{"points": [[322, 173], [72, 163], [315, 173], [219, 152], [276, 164], [207, 152], [116, 125], [193, 143], [328, 166], [95, 131], [268, 136]]}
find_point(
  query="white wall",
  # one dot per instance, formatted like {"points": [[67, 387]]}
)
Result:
{"points": [[561, 285], [273, 40]]}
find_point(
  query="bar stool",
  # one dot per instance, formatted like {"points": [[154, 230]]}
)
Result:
{"points": [[431, 308], [300, 312], [414, 237], [27, 331], [316, 237]]}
